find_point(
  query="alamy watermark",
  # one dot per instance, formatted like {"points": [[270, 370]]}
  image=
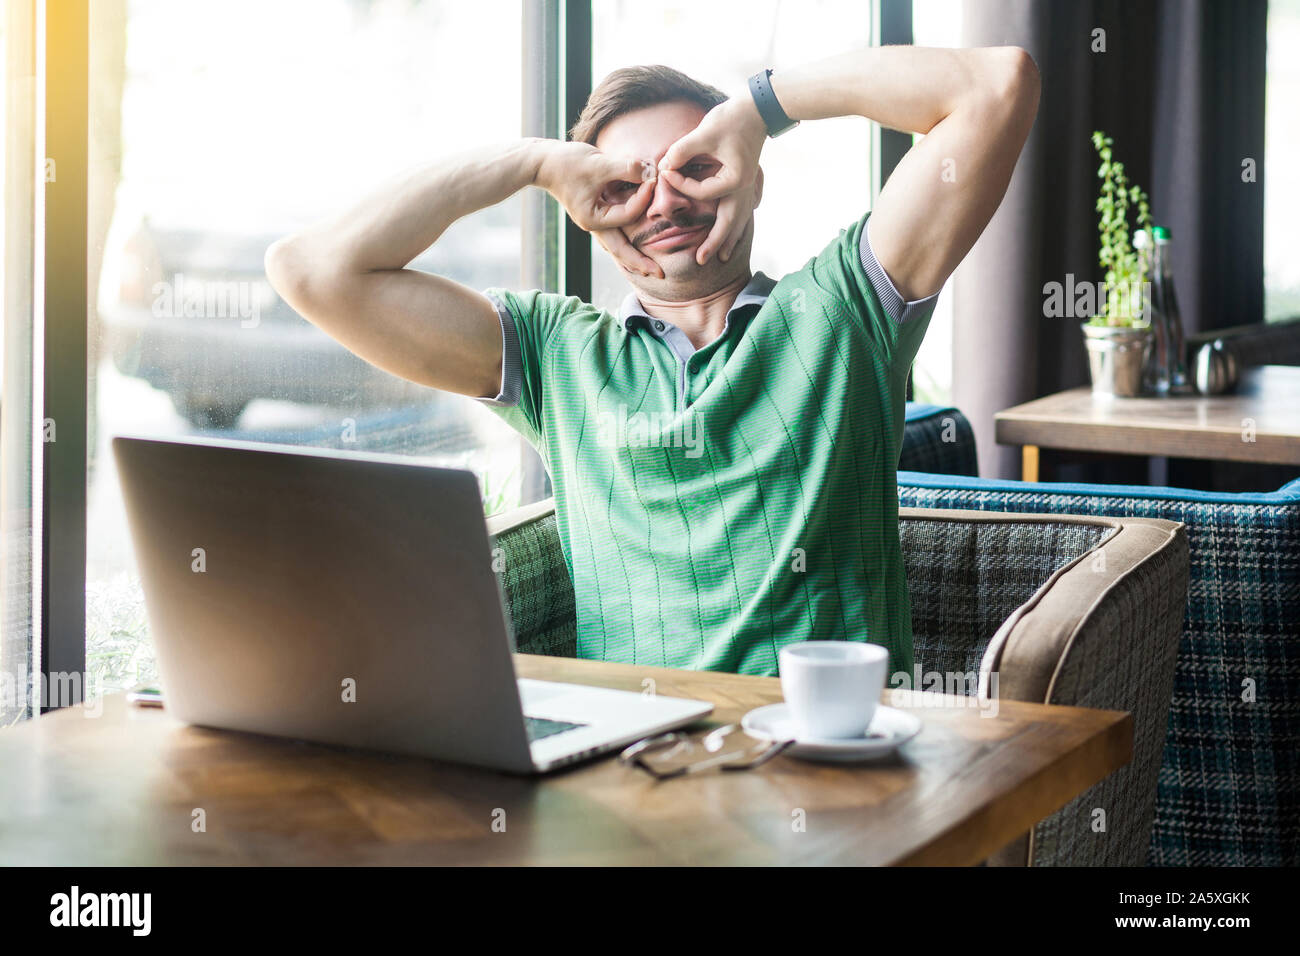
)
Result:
{"points": [[209, 299], [55, 689], [1072, 299], [78, 908], [974, 689], [618, 429]]}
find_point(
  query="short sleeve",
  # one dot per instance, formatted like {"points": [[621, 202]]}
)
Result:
{"points": [[848, 271], [511, 372], [528, 320]]}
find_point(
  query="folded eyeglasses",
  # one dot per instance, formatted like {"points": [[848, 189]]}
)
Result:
{"points": [[676, 754]]}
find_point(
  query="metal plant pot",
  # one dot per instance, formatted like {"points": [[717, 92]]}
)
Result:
{"points": [[1117, 355]]}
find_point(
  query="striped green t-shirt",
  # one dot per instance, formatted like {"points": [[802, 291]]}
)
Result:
{"points": [[716, 505]]}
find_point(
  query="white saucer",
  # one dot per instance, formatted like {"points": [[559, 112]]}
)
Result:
{"points": [[773, 723]]}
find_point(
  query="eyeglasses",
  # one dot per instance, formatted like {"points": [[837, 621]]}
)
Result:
{"points": [[677, 753]]}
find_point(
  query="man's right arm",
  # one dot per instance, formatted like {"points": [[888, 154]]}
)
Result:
{"points": [[348, 275]]}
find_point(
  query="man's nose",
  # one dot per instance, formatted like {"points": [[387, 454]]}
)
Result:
{"points": [[667, 201]]}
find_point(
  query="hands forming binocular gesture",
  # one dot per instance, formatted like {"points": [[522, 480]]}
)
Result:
{"points": [[609, 195]]}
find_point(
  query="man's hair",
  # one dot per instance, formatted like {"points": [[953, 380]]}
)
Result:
{"points": [[634, 88]]}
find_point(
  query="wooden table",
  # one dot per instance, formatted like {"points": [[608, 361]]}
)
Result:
{"points": [[1265, 407], [124, 788]]}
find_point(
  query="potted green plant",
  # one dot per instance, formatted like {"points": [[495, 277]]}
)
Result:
{"points": [[1119, 337]]}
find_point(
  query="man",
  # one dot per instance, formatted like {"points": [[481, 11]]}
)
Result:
{"points": [[723, 451]]}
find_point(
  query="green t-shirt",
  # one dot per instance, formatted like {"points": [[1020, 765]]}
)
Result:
{"points": [[715, 508]]}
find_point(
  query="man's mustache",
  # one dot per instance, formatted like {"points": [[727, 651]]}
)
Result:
{"points": [[686, 222]]}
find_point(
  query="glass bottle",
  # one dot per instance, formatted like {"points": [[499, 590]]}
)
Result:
{"points": [[1170, 374], [1155, 372]]}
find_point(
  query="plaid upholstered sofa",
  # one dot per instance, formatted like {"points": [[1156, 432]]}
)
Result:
{"points": [[938, 439], [1229, 792], [1084, 611]]}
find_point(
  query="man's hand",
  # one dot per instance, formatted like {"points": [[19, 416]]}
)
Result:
{"points": [[601, 193], [729, 140]]}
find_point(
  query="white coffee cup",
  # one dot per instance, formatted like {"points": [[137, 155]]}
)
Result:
{"points": [[832, 687]]}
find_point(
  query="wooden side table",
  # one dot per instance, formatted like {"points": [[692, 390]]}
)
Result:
{"points": [[1259, 422]]}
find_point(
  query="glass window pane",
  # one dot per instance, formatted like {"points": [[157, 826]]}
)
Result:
{"points": [[216, 128], [936, 23], [793, 222], [17, 251]]}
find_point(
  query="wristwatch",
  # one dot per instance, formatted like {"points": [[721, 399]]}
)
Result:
{"points": [[760, 87]]}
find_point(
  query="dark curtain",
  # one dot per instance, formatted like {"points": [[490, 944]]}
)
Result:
{"points": [[1180, 88]]}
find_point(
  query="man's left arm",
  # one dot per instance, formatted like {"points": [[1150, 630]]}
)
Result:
{"points": [[974, 106]]}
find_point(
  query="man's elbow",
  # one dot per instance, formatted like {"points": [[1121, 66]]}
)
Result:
{"points": [[1015, 80], [295, 275], [283, 268]]}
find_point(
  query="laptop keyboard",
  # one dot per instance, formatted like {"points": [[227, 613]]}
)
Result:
{"points": [[540, 727]]}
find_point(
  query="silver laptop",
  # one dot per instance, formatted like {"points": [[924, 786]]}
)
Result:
{"points": [[348, 598]]}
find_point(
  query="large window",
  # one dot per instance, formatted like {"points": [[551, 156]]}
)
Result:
{"points": [[17, 277], [217, 127], [723, 43]]}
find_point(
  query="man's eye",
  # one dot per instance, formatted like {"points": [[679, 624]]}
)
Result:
{"points": [[622, 189], [695, 170]]}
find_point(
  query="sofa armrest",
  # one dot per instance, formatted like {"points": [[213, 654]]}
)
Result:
{"points": [[518, 518], [536, 587], [1077, 610], [1033, 649], [1102, 632]]}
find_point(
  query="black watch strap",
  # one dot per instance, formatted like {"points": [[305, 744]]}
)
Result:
{"points": [[760, 87]]}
